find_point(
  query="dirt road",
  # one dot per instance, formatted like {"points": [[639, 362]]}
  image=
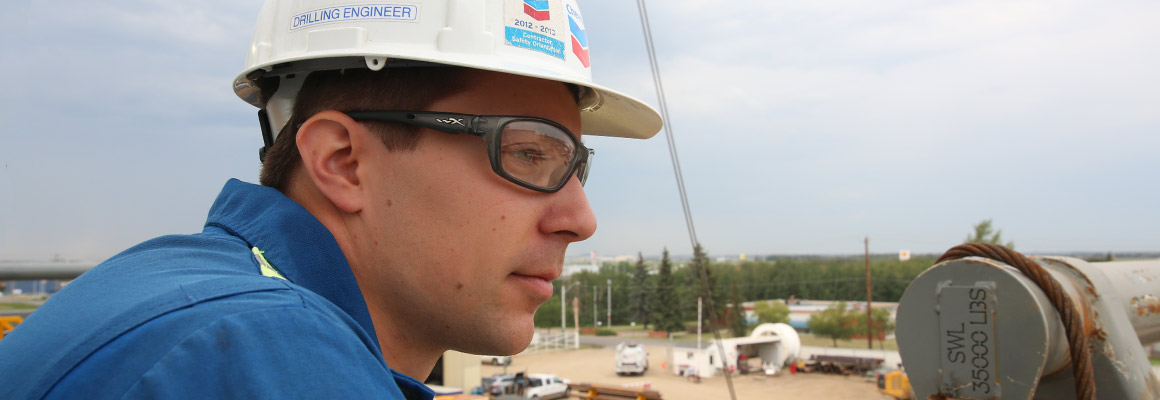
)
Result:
{"points": [[597, 366]]}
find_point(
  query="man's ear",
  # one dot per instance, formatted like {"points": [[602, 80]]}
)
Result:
{"points": [[327, 144]]}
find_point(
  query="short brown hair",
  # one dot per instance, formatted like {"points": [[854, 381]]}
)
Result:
{"points": [[413, 88]]}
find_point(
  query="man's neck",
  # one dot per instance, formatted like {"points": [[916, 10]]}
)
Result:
{"points": [[401, 352]]}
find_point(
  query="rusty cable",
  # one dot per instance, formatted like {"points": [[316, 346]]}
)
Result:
{"points": [[1077, 340]]}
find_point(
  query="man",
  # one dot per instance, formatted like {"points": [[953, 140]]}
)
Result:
{"points": [[421, 181]]}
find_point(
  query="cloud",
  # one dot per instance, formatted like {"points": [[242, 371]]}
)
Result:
{"points": [[211, 23], [853, 107], [801, 126]]}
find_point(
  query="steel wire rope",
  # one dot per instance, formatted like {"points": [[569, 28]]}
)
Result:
{"points": [[656, 73], [1077, 340]]}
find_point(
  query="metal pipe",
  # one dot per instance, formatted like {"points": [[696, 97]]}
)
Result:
{"points": [[1137, 283], [976, 328], [869, 315]]}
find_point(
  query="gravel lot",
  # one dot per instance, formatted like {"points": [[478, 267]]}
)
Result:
{"points": [[597, 366]]}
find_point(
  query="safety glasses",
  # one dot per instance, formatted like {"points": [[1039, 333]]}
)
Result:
{"points": [[531, 152]]}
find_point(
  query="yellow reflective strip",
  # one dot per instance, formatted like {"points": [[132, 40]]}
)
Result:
{"points": [[264, 266]]}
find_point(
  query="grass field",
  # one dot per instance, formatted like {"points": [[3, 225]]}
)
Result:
{"points": [[811, 340], [17, 306]]}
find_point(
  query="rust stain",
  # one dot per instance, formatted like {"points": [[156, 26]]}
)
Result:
{"points": [[1099, 334], [1142, 274], [1088, 282], [1146, 305], [1089, 313], [1087, 297], [1095, 329], [1083, 304]]}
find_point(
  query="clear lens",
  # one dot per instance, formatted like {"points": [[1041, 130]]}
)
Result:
{"points": [[582, 169], [536, 153]]}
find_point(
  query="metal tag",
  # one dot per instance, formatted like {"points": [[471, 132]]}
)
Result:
{"points": [[967, 329]]}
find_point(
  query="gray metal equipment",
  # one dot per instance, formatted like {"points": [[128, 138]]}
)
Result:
{"points": [[977, 328]]}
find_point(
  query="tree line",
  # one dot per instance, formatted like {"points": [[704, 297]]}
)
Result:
{"points": [[667, 298], [662, 294]]}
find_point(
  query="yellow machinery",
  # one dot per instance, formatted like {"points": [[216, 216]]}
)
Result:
{"points": [[895, 384], [8, 323]]}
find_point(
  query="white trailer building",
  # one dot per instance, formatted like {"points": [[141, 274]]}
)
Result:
{"points": [[772, 344]]}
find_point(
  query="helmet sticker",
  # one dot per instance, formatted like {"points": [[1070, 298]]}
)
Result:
{"points": [[536, 25], [579, 35], [537, 9], [400, 12]]}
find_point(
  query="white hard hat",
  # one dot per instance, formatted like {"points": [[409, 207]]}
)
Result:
{"points": [[536, 38]]}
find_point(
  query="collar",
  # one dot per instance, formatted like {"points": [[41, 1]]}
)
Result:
{"points": [[412, 389], [295, 242]]}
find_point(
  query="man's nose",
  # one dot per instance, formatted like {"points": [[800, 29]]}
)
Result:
{"points": [[570, 216]]}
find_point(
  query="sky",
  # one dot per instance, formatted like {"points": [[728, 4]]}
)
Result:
{"points": [[801, 127]]}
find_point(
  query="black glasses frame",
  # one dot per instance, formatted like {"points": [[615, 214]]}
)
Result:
{"points": [[488, 127]]}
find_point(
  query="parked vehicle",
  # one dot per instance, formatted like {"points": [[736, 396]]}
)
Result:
{"points": [[498, 384], [895, 384], [545, 386], [631, 358], [497, 360]]}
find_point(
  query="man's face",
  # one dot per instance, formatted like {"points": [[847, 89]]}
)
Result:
{"points": [[456, 256]]}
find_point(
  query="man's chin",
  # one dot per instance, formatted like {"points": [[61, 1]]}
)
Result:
{"points": [[510, 339], [522, 336]]}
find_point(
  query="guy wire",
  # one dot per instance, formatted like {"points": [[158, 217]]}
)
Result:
{"points": [[656, 73]]}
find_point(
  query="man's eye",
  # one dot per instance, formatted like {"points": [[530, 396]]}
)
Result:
{"points": [[527, 153], [529, 156]]}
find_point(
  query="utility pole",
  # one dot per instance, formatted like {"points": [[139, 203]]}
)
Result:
{"points": [[563, 308], [564, 314], [869, 318], [594, 317], [610, 304], [576, 319]]}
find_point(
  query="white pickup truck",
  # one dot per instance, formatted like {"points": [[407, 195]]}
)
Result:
{"points": [[631, 358], [546, 386]]}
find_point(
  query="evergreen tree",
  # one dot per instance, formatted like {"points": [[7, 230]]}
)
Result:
{"points": [[737, 321], [703, 283], [985, 233], [640, 299], [665, 310]]}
